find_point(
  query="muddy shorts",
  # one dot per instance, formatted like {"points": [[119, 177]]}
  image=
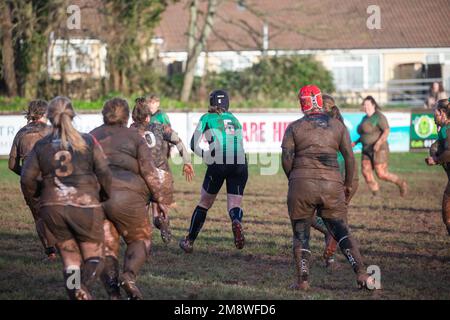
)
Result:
{"points": [[235, 175], [68, 222], [379, 157], [305, 196], [127, 210]]}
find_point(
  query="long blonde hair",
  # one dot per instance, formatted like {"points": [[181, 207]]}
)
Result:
{"points": [[61, 113]]}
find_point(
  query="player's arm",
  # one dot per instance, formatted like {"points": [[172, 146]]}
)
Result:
{"points": [[166, 120], [14, 159], [288, 151], [345, 148], [172, 137], [444, 156], [384, 126], [29, 177], [102, 171]]}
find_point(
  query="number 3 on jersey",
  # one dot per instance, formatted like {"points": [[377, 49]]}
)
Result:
{"points": [[65, 168]]}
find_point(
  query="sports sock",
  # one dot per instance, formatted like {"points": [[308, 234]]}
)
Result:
{"points": [[197, 221], [236, 214]]}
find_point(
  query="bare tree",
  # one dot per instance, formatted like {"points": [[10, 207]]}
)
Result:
{"points": [[9, 73], [196, 42]]}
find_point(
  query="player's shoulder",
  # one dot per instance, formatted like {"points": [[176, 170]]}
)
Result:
{"points": [[97, 130]]}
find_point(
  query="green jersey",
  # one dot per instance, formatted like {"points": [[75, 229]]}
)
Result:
{"points": [[160, 117], [223, 133]]}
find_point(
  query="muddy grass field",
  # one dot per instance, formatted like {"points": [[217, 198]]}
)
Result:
{"points": [[404, 237]]}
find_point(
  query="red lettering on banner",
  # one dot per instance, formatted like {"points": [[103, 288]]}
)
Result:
{"points": [[253, 131], [278, 130]]}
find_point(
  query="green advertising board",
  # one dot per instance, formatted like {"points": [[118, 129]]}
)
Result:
{"points": [[423, 130]]}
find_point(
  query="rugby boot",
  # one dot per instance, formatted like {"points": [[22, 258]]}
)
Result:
{"points": [[350, 250], [238, 233], [82, 293], [365, 281], [110, 278], [187, 245], [51, 254], [128, 283], [301, 258]]}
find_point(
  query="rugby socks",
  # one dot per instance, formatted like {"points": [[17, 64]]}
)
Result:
{"points": [[91, 270], [348, 245], [197, 221], [302, 253], [236, 214], [110, 277]]}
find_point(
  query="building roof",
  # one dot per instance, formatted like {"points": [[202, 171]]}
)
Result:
{"points": [[313, 25]]}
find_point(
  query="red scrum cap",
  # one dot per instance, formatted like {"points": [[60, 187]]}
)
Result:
{"points": [[310, 97]]}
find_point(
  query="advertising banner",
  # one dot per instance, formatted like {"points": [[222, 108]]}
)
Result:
{"points": [[423, 130], [262, 132]]}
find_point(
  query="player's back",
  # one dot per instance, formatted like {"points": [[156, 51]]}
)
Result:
{"points": [[29, 135], [225, 131], [157, 136], [68, 177], [317, 138], [120, 145]]}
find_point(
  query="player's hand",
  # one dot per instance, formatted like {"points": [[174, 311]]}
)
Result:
{"points": [[348, 192], [188, 172], [376, 147], [353, 144], [430, 161], [163, 209]]}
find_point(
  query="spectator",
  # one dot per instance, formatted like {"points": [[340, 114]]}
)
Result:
{"points": [[435, 94]]}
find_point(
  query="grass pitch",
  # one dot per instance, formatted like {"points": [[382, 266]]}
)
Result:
{"points": [[404, 237]]}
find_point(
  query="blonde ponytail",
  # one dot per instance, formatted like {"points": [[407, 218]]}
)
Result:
{"points": [[61, 114]]}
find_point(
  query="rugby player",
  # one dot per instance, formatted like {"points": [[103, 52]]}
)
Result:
{"points": [[374, 131], [159, 137], [135, 178], [23, 143], [226, 161], [440, 152], [73, 167], [309, 159]]}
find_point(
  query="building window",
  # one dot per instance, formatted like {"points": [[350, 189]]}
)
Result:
{"points": [[356, 71], [73, 57]]}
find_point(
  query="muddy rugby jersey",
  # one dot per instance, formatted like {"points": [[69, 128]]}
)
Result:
{"points": [[130, 160], [24, 142], [371, 128], [315, 140], [160, 117], [159, 137], [69, 178]]}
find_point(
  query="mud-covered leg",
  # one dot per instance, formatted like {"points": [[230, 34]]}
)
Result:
{"points": [[367, 172], [330, 243], [302, 254], [349, 247], [110, 274], [135, 256], [384, 174], [72, 261], [47, 239], [92, 267], [446, 210]]}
